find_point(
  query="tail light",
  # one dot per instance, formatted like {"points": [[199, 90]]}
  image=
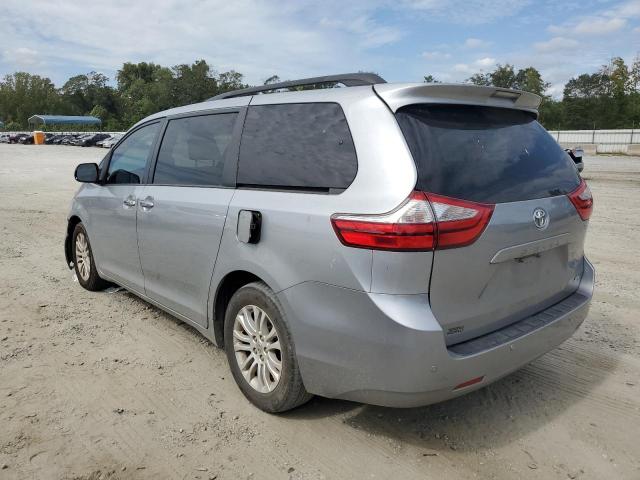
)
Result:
{"points": [[582, 199], [423, 222]]}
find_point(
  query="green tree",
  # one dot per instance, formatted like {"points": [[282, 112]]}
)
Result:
{"points": [[620, 77], [230, 80], [82, 93], [23, 95], [144, 88], [272, 79], [530, 80], [503, 76], [483, 79], [193, 83]]}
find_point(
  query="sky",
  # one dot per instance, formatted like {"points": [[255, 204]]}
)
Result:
{"points": [[402, 40]]}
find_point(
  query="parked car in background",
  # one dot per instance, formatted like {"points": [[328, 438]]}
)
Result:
{"points": [[78, 139], [392, 244], [4, 138], [15, 138], [69, 139], [27, 139], [92, 139], [100, 142], [51, 139], [110, 142]]}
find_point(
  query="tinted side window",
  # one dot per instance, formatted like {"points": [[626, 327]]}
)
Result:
{"points": [[302, 145], [193, 150], [129, 160]]}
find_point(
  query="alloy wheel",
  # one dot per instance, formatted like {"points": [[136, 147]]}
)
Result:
{"points": [[257, 348], [83, 258]]}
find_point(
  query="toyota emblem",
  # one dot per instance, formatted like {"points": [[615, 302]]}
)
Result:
{"points": [[540, 218]]}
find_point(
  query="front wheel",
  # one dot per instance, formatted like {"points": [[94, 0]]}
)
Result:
{"points": [[83, 261], [260, 350]]}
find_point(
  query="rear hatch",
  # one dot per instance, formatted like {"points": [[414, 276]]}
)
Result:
{"points": [[530, 254]]}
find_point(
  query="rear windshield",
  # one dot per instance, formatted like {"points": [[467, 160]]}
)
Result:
{"points": [[485, 154]]}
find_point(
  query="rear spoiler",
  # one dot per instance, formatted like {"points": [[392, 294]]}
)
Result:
{"points": [[399, 95]]}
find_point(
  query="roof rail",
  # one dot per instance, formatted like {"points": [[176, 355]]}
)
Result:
{"points": [[347, 79]]}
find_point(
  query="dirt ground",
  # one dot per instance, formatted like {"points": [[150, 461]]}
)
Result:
{"points": [[105, 386]]}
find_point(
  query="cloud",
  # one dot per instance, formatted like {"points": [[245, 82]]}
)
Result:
{"points": [[257, 38], [479, 65], [462, 68], [296, 38], [474, 12], [604, 22], [435, 55], [476, 43], [599, 26], [370, 33], [22, 57], [555, 44], [485, 62], [630, 9]]}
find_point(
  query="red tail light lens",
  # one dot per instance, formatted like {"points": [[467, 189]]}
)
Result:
{"points": [[409, 227], [583, 200], [423, 222], [460, 222]]}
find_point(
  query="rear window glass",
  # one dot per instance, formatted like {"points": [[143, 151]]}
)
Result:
{"points": [[193, 150], [485, 154], [300, 145]]}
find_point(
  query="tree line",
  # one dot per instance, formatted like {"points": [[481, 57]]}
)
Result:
{"points": [[608, 98], [141, 89]]}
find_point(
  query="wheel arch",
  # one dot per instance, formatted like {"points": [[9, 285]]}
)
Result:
{"points": [[230, 284], [71, 225]]}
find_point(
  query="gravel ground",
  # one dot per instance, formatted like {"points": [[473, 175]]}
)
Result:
{"points": [[103, 385]]}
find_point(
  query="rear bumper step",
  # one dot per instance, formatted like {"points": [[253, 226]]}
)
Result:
{"points": [[521, 328]]}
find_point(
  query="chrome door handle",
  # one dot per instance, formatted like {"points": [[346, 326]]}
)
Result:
{"points": [[129, 202], [147, 203]]}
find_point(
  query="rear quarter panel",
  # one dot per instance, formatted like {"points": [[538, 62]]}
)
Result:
{"points": [[297, 242]]}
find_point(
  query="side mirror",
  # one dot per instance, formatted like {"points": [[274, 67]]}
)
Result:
{"points": [[575, 153], [578, 153], [87, 173]]}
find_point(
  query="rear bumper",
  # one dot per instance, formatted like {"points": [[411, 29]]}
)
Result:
{"points": [[390, 350]]}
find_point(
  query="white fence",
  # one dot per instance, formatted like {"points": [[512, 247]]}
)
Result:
{"points": [[600, 141]]}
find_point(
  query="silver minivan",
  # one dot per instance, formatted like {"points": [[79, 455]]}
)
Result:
{"points": [[393, 244]]}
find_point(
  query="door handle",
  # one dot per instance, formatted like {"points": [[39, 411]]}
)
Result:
{"points": [[129, 202], [147, 203]]}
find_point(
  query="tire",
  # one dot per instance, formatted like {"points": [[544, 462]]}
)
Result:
{"points": [[256, 380], [81, 250]]}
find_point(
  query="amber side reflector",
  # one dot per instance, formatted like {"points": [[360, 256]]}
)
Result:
{"points": [[468, 383]]}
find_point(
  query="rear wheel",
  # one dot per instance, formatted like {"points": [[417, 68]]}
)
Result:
{"points": [[260, 350], [84, 264]]}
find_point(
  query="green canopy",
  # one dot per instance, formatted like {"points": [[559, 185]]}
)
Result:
{"points": [[64, 120]]}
